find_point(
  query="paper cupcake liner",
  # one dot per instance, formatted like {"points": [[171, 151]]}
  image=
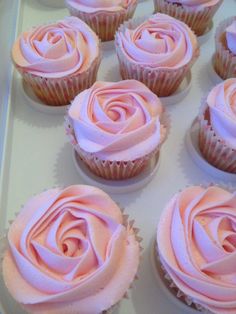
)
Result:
{"points": [[60, 91], [115, 170], [162, 82], [173, 289], [198, 20], [104, 23], [212, 147], [224, 61]]}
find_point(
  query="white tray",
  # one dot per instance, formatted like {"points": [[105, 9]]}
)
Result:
{"points": [[35, 153]]}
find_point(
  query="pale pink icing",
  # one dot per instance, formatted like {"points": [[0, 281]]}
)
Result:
{"points": [[93, 6], [117, 121], [222, 106], [59, 49], [231, 37], [195, 4], [70, 253], [197, 245], [159, 42]]}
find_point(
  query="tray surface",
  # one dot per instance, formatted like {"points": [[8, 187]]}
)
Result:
{"points": [[35, 153]]}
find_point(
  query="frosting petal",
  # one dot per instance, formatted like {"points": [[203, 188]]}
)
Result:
{"points": [[231, 37], [117, 121], [56, 50], [201, 260], [70, 246], [159, 42]]}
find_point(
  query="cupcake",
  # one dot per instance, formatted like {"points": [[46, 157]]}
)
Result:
{"points": [[196, 247], [116, 128], [158, 52], [217, 123], [103, 16], [70, 252], [224, 59], [58, 60], [197, 14]]}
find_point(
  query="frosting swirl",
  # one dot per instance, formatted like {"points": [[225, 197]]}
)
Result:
{"points": [[222, 107], [69, 253], [117, 121], [231, 37], [56, 50], [160, 42], [92, 6], [197, 245], [195, 4]]}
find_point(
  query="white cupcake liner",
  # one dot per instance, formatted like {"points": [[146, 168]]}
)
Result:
{"points": [[60, 91], [198, 20], [192, 145], [127, 222], [118, 186], [214, 77], [116, 170], [162, 82], [33, 101], [224, 60], [183, 301], [104, 23], [212, 147]]}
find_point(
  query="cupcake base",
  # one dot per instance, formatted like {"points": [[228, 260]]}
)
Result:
{"points": [[33, 101], [214, 77], [117, 186], [176, 296], [191, 141]]}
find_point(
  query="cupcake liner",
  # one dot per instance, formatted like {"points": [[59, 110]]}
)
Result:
{"points": [[162, 82], [224, 61], [127, 222], [114, 170], [172, 288], [60, 91], [104, 23], [212, 147], [198, 20]]}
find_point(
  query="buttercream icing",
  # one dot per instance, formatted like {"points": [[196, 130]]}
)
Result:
{"points": [[59, 49], [117, 121], [197, 245], [231, 37], [161, 42], [222, 107], [93, 6], [69, 252]]}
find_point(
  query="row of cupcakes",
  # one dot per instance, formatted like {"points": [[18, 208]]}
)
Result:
{"points": [[72, 250], [60, 60], [104, 17]]}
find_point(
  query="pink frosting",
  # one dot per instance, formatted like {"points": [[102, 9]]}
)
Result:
{"points": [[57, 50], [159, 42], [197, 245], [117, 121], [195, 4], [92, 6], [231, 37], [70, 253], [222, 105]]}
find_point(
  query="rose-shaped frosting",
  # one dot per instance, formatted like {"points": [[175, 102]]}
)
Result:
{"points": [[117, 121], [195, 4], [197, 245], [231, 37], [56, 50], [161, 42], [91, 6], [222, 107], [70, 253]]}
